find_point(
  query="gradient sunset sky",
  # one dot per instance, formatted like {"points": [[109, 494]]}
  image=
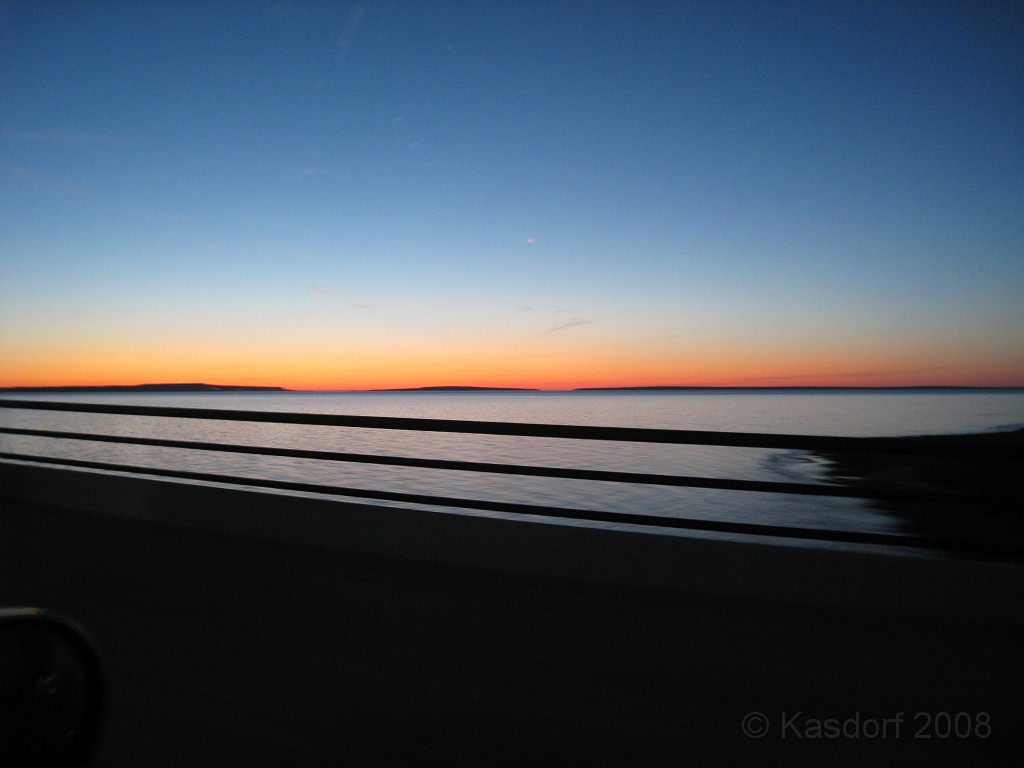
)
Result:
{"points": [[552, 195]]}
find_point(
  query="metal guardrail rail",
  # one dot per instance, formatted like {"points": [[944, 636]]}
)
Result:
{"points": [[826, 444]]}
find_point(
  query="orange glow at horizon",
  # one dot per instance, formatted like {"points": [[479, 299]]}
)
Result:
{"points": [[553, 367]]}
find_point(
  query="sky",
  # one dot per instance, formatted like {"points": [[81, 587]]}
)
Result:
{"points": [[550, 195]]}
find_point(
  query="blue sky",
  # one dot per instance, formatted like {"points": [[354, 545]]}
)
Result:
{"points": [[541, 194]]}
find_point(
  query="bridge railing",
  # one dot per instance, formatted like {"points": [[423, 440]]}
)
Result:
{"points": [[817, 444]]}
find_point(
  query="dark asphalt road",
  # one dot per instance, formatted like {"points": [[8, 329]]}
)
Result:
{"points": [[227, 650]]}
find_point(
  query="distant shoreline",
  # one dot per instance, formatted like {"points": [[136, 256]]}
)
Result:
{"points": [[190, 387], [147, 388], [451, 388], [801, 388]]}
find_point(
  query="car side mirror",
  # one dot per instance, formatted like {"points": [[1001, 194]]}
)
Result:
{"points": [[51, 690]]}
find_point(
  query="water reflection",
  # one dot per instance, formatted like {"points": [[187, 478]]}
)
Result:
{"points": [[728, 412]]}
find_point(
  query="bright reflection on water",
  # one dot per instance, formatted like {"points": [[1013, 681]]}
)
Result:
{"points": [[823, 413]]}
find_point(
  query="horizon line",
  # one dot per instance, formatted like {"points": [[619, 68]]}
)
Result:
{"points": [[213, 388]]}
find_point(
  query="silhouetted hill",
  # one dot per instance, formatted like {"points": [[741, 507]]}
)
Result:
{"points": [[147, 388], [455, 389], [682, 388]]}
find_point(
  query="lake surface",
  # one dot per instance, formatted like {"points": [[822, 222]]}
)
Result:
{"points": [[853, 413]]}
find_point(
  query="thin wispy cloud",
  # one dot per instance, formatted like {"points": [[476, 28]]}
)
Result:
{"points": [[348, 34], [576, 321], [45, 179], [71, 138], [320, 289], [24, 172], [97, 196]]}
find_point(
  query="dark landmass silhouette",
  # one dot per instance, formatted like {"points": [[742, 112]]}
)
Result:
{"points": [[798, 388], [195, 387], [455, 388], [147, 388]]}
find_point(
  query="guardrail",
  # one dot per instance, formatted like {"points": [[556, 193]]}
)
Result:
{"points": [[821, 444]]}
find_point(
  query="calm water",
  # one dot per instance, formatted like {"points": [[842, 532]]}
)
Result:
{"points": [[823, 413]]}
